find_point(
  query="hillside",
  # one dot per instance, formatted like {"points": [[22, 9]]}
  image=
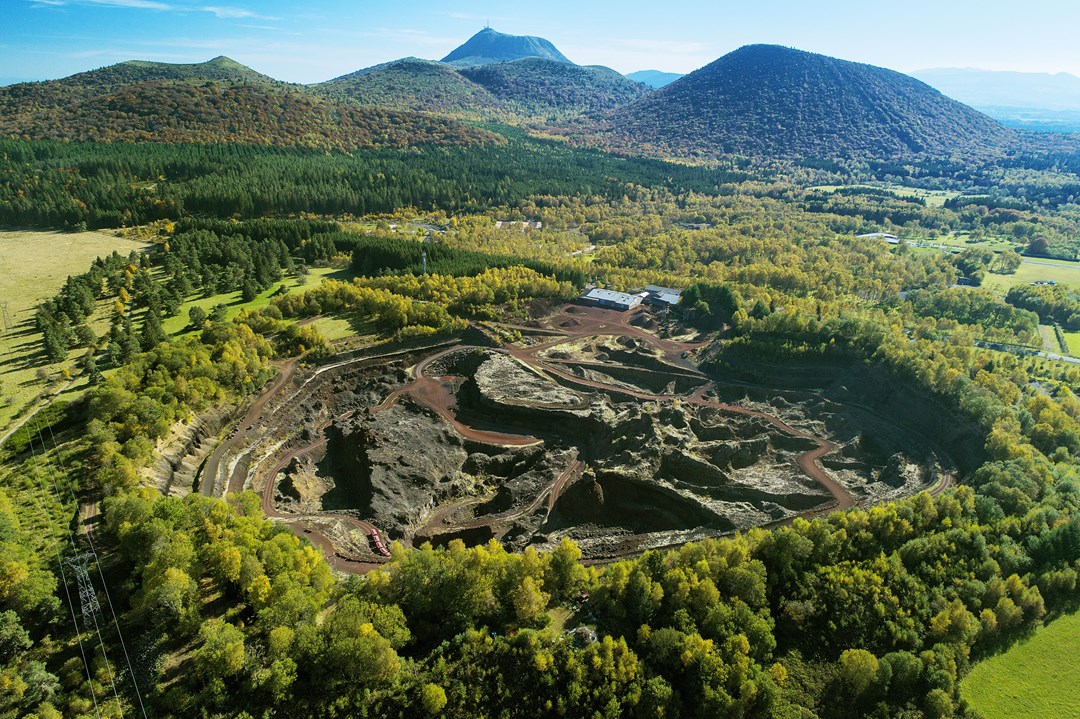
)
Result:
{"points": [[773, 101], [489, 46], [521, 89], [537, 86], [221, 68], [412, 84], [212, 113], [654, 78]]}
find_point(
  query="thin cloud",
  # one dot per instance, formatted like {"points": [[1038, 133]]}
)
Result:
{"points": [[235, 13], [274, 28], [400, 35], [131, 4]]}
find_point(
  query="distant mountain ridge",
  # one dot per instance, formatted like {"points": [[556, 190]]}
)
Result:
{"points": [[490, 76], [767, 100], [219, 69], [1043, 102], [488, 46], [760, 100], [992, 88], [654, 78], [220, 101]]}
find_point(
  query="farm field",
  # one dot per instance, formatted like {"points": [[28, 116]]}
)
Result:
{"points": [[1033, 270], [1073, 338], [1036, 678], [33, 267]]}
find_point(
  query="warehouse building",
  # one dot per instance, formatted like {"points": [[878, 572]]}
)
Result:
{"points": [[611, 299]]}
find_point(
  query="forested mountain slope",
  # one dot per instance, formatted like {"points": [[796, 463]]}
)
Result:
{"points": [[525, 87], [538, 86], [412, 84], [215, 102], [221, 69], [767, 100]]}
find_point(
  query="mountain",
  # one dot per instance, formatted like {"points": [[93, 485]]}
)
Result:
{"points": [[220, 69], [68, 91], [215, 102], [489, 46], [654, 78], [766, 100], [413, 84], [537, 86], [520, 89]]}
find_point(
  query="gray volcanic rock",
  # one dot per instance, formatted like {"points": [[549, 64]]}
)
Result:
{"points": [[393, 465], [504, 380]]}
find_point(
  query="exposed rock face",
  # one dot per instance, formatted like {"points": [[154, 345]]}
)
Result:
{"points": [[614, 470], [181, 453], [394, 465], [505, 381]]}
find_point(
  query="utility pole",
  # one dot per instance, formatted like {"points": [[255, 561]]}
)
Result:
{"points": [[87, 595]]}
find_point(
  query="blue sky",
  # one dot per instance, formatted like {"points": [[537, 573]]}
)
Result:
{"points": [[320, 39]]}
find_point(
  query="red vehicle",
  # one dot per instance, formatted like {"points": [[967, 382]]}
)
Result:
{"points": [[379, 544]]}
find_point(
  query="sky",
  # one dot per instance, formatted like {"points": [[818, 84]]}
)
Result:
{"points": [[314, 40]]}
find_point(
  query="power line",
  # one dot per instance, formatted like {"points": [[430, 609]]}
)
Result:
{"points": [[101, 575], [82, 588], [67, 590]]}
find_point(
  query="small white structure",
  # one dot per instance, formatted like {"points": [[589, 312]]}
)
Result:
{"points": [[891, 239]]}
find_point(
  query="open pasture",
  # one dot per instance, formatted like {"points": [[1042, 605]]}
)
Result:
{"points": [[33, 267], [1039, 677]]}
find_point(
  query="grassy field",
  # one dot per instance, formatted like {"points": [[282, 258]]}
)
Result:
{"points": [[963, 241], [1073, 338], [1037, 678], [338, 328], [1032, 270], [934, 198], [33, 267], [1049, 338], [178, 325]]}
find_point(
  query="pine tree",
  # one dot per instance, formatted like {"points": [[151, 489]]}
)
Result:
{"points": [[129, 343], [152, 332]]}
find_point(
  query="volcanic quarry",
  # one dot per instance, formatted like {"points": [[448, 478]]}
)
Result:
{"points": [[591, 426]]}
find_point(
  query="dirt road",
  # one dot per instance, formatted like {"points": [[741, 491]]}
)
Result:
{"points": [[436, 392]]}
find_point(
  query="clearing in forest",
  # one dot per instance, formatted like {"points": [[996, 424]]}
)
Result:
{"points": [[33, 267], [1036, 678]]}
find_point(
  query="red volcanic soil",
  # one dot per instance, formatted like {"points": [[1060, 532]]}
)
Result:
{"points": [[437, 393]]}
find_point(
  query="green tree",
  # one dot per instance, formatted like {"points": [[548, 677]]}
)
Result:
{"points": [[196, 317]]}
